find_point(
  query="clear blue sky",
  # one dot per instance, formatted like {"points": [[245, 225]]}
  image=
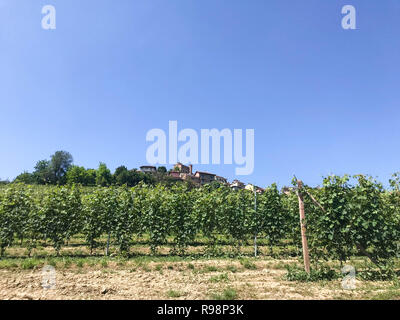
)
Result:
{"points": [[321, 99]]}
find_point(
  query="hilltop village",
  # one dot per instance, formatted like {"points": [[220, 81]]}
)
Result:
{"points": [[199, 178]]}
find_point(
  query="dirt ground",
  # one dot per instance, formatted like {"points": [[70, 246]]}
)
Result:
{"points": [[209, 279]]}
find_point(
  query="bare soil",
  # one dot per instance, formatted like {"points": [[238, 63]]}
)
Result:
{"points": [[178, 280]]}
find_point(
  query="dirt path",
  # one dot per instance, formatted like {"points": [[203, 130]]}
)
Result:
{"points": [[180, 280]]}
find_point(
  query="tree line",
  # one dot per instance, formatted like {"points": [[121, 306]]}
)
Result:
{"points": [[59, 170]]}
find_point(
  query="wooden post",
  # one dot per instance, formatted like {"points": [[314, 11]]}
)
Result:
{"points": [[303, 227], [255, 211]]}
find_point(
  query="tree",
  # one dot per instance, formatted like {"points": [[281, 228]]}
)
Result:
{"points": [[103, 175], [60, 162], [162, 169], [137, 176], [78, 175], [26, 177], [121, 176], [91, 175], [42, 172]]}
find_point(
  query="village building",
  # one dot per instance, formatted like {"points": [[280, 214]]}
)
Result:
{"points": [[205, 177], [221, 180], [148, 169], [179, 167], [185, 173], [237, 185]]}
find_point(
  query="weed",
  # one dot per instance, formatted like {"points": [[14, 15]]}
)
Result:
{"points": [[247, 264], [174, 294], [228, 294], [223, 277]]}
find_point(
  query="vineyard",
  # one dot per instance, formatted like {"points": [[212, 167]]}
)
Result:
{"points": [[353, 216]]}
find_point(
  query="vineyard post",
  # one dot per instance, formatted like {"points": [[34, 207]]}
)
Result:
{"points": [[108, 244], [255, 212], [303, 227]]}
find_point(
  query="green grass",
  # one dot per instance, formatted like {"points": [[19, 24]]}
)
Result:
{"points": [[146, 268], [175, 294], [232, 268], [80, 263], [223, 277], [191, 266], [104, 263], [247, 264], [228, 294], [29, 264], [387, 295], [159, 267], [210, 269]]}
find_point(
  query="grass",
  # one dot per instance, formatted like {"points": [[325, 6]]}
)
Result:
{"points": [[223, 277], [175, 294], [191, 266], [232, 268], [387, 295], [159, 267], [79, 263], [210, 269], [104, 263], [29, 264], [247, 264], [228, 294], [146, 268], [391, 293]]}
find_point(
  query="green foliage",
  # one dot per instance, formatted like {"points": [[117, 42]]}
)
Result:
{"points": [[15, 209], [26, 177], [373, 228], [247, 264], [103, 176], [126, 219], [207, 207], [360, 218], [271, 218], [101, 212], [60, 162], [43, 173], [228, 294], [330, 231], [162, 169], [60, 214], [80, 175], [182, 224], [237, 210], [294, 273], [155, 217]]}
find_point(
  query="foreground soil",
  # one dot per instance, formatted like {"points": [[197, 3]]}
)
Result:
{"points": [[208, 279]]}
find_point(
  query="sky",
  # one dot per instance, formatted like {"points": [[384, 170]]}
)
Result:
{"points": [[321, 100]]}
